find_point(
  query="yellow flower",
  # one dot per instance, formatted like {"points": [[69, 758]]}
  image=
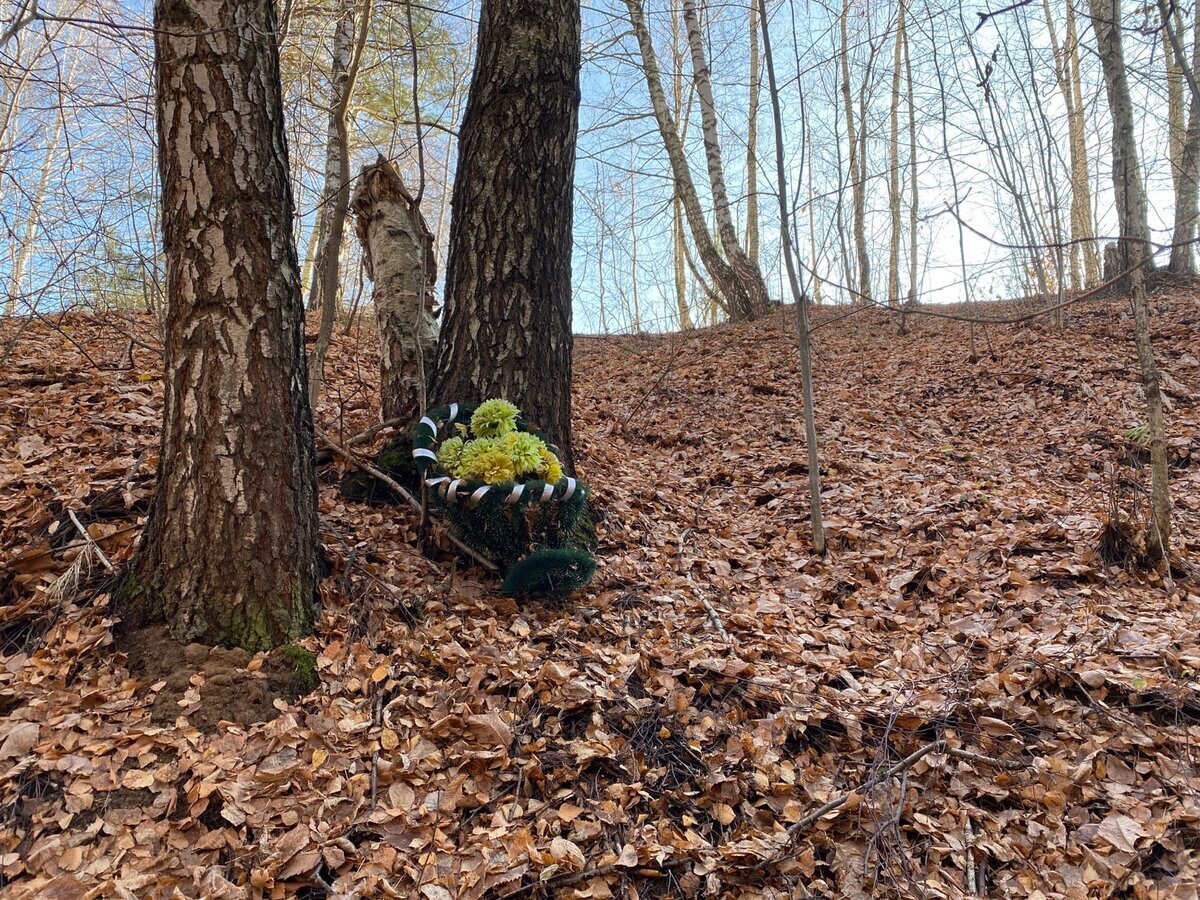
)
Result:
{"points": [[450, 456], [485, 459], [549, 469], [524, 450], [493, 418]]}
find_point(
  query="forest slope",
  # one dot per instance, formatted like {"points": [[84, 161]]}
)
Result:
{"points": [[715, 683]]}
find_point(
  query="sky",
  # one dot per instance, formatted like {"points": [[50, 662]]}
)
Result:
{"points": [[89, 171]]}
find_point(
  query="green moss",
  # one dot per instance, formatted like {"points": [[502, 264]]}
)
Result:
{"points": [[303, 664], [395, 460]]}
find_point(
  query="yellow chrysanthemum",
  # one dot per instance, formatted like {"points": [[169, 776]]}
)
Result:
{"points": [[450, 456], [549, 468], [491, 466], [524, 450], [471, 451], [494, 418]]}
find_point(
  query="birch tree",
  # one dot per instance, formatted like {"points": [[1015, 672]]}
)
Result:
{"points": [[398, 256], [228, 555], [743, 302], [745, 269], [1128, 189]]}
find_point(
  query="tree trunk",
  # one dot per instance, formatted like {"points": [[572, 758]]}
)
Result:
{"points": [[752, 141], [229, 552], [1183, 260], [914, 200], [1066, 70], [802, 329], [893, 295], [747, 272], [738, 303], [678, 237], [1134, 232], [309, 283], [1158, 538], [857, 168], [335, 197], [1081, 182], [398, 255], [507, 329]]}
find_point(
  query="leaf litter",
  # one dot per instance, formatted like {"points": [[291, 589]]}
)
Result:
{"points": [[673, 730]]}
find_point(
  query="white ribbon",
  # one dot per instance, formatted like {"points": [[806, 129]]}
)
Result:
{"points": [[452, 490], [453, 413], [570, 489], [434, 482], [547, 493], [477, 495], [514, 495], [421, 451], [425, 420]]}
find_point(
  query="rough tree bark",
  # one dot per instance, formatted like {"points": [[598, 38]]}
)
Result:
{"points": [[748, 273], [737, 300], [507, 329], [229, 552], [1128, 189], [398, 255]]}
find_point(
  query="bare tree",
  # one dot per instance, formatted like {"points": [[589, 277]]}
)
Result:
{"points": [[742, 301], [801, 302], [335, 198], [1134, 245]]}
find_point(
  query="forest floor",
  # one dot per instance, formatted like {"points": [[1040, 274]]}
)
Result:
{"points": [[669, 732]]}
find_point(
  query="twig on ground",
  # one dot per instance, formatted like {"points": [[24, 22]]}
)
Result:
{"points": [[104, 560], [408, 498], [364, 436]]}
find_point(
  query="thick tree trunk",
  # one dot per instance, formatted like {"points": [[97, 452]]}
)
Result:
{"points": [[398, 255], [738, 302], [507, 329], [1128, 189], [229, 553], [757, 298]]}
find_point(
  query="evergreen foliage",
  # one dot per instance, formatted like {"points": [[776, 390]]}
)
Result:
{"points": [[542, 546]]}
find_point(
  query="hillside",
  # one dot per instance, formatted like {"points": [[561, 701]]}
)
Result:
{"points": [[713, 686]]}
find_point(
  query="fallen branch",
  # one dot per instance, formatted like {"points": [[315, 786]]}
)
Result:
{"points": [[104, 560], [400, 492], [364, 436], [870, 784]]}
